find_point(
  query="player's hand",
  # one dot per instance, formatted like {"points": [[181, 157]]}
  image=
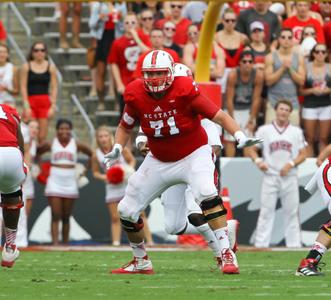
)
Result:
{"points": [[143, 148], [263, 166], [284, 171], [248, 142], [113, 155]]}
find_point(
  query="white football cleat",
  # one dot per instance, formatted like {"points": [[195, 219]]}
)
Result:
{"points": [[136, 266], [9, 255], [229, 262], [233, 227]]}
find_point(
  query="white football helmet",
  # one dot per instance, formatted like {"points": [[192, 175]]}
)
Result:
{"points": [[158, 71], [182, 70]]}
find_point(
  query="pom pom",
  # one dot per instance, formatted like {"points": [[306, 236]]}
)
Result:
{"points": [[116, 174]]}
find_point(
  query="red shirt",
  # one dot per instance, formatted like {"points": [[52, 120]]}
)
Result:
{"points": [[125, 52], [137, 73], [3, 34], [297, 26], [240, 6], [327, 33], [9, 122], [180, 37], [172, 123]]}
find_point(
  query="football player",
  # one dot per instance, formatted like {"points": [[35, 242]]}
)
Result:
{"points": [[169, 109], [12, 174], [321, 180]]}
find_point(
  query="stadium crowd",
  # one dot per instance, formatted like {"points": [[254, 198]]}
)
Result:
{"points": [[262, 53]]}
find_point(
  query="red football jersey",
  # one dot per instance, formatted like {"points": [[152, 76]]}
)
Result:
{"points": [[297, 27], [172, 123], [9, 122], [125, 53]]}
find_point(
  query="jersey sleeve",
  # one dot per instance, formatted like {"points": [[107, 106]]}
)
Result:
{"points": [[301, 142], [203, 106], [129, 117]]}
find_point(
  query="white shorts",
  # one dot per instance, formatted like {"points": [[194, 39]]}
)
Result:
{"points": [[28, 187], [319, 113], [62, 183], [153, 177], [115, 192], [241, 117], [12, 171]]}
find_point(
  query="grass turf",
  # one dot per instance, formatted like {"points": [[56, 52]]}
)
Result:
{"points": [[179, 275]]}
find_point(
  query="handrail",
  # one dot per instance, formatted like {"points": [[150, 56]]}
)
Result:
{"points": [[12, 7], [85, 116], [16, 47]]}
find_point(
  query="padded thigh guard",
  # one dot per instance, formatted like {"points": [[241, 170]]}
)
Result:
{"points": [[132, 227], [213, 208], [12, 200], [327, 228]]}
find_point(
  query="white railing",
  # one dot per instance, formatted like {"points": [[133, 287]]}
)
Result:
{"points": [[85, 116]]}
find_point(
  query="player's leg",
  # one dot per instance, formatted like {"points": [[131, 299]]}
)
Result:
{"points": [[289, 195], [55, 204], [143, 187], [147, 232], [199, 173], [67, 207], [309, 265], [11, 204], [115, 224], [269, 194]]}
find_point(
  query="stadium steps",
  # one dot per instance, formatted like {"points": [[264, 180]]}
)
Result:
{"points": [[72, 65]]}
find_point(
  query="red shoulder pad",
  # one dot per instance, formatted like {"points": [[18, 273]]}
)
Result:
{"points": [[134, 90], [11, 110], [186, 87]]}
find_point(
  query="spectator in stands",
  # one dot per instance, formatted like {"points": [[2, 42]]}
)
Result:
{"points": [[324, 9], [124, 55], [102, 22], [62, 186], [114, 190], [302, 19], [155, 7], [190, 54], [232, 42], [257, 45], [146, 19], [75, 25], [157, 40], [3, 33], [243, 97], [181, 23], [308, 41], [8, 78], [39, 88], [316, 112], [194, 11], [262, 14], [284, 73], [169, 29]]}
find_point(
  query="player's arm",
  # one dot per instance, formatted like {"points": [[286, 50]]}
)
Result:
{"points": [[96, 168], [209, 110], [323, 155]]}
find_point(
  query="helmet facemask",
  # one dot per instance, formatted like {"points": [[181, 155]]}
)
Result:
{"points": [[157, 80]]}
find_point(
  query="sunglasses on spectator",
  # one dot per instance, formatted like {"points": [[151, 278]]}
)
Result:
{"points": [[193, 33], [39, 50], [170, 28], [147, 18], [286, 37], [128, 22], [320, 51], [230, 20], [178, 6], [257, 30], [247, 61]]}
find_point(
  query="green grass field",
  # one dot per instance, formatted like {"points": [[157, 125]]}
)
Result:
{"points": [[179, 275]]}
